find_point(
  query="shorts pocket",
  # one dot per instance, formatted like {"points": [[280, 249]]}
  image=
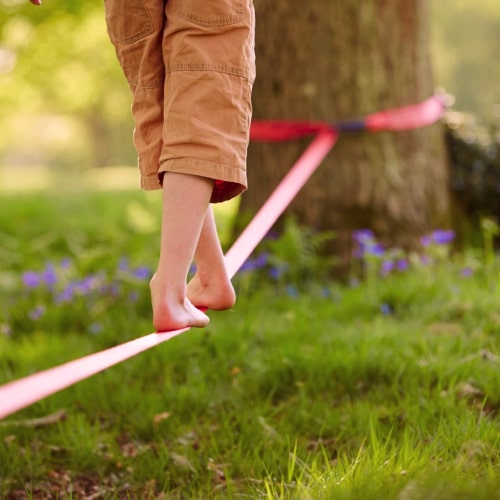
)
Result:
{"points": [[210, 13], [127, 20]]}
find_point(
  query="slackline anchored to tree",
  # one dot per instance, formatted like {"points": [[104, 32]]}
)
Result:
{"points": [[21, 393]]}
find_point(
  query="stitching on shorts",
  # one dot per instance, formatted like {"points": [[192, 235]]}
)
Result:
{"points": [[135, 38], [230, 70], [153, 84], [224, 21]]}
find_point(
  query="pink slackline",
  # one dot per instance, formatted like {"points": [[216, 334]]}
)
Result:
{"points": [[21, 393]]}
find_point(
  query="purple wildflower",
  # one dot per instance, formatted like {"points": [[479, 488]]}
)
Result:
{"points": [[253, 264], [386, 309], [262, 259], [31, 279], [275, 272], [292, 291], [443, 237], [402, 265], [363, 236], [272, 235], [123, 264], [426, 240], [65, 263], [367, 244], [439, 237], [49, 275], [86, 285], [248, 265], [133, 296], [36, 313], [66, 295], [5, 329], [387, 267], [142, 273], [95, 328], [467, 272], [375, 249]]}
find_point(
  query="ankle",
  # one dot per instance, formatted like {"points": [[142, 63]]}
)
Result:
{"points": [[167, 290]]}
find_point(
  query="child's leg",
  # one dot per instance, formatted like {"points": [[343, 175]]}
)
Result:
{"points": [[210, 286], [185, 204]]}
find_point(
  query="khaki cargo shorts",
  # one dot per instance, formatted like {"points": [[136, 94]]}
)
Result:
{"points": [[190, 65]]}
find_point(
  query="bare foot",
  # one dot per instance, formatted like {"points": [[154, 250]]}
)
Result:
{"points": [[213, 292], [169, 313]]}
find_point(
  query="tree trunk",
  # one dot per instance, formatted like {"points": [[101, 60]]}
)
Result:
{"points": [[338, 60]]}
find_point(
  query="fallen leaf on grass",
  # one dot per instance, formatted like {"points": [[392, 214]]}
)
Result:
{"points": [[217, 468], [160, 417], [477, 398], [468, 390], [132, 449], [182, 461], [58, 416], [219, 479], [489, 356], [150, 490], [189, 439], [129, 450]]}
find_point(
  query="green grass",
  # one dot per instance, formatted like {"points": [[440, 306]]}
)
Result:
{"points": [[310, 395]]}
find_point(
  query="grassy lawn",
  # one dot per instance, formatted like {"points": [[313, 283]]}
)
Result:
{"points": [[388, 388]]}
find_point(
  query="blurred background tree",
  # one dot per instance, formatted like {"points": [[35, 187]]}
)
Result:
{"points": [[338, 61]]}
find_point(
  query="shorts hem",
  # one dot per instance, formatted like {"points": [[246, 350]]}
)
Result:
{"points": [[230, 181]]}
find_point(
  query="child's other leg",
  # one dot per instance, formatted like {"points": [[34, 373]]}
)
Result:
{"points": [[210, 286], [185, 203]]}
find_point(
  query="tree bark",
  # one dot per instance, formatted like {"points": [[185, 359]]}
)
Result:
{"points": [[338, 60]]}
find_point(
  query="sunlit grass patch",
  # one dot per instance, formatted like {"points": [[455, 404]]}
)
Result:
{"points": [[386, 387]]}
